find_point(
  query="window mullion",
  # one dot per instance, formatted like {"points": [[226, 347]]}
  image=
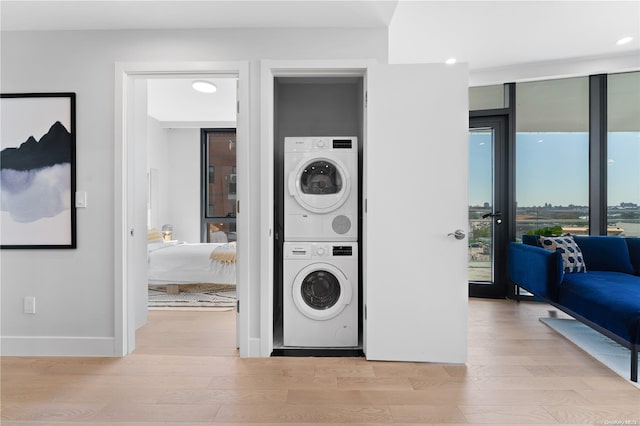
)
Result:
{"points": [[598, 154]]}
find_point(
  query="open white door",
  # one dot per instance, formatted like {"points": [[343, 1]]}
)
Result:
{"points": [[415, 274]]}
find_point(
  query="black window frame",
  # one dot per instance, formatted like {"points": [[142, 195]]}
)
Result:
{"points": [[205, 220], [597, 180]]}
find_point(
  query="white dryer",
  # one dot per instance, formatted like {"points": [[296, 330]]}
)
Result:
{"points": [[321, 189], [320, 306]]}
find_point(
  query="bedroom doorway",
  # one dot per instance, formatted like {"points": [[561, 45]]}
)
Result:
{"points": [[191, 204], [134, 182]]}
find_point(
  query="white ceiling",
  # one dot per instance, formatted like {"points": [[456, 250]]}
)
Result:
{"points": [[490, 34], [188, 14], [485, 34], [174, 103]]}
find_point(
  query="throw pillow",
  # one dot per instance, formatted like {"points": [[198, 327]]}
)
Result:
{"points": [[568, 249]]}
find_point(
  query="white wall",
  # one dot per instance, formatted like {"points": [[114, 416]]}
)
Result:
{"points": [[184, 184], [174, 154], [158, 165], [74, 289]]}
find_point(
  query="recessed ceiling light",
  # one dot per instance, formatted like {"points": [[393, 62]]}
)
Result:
{"points": [[450, 61], [624, 40], [204, 86]]}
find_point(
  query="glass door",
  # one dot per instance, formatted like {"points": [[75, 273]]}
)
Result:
{"points": [[488, 236]]}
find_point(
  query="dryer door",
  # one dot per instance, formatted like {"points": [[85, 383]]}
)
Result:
{"points": [[321, 291], [320, 184]]}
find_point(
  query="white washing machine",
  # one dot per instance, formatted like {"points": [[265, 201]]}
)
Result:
{"points": [[321, 189], [320, 306]]}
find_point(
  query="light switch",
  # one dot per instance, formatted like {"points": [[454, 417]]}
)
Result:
{"points": [[81, 199], [29, 305]]}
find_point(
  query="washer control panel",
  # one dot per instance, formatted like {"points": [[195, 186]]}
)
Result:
{"points": [[316, 250]]}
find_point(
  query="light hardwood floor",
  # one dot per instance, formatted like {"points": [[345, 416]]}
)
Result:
{"points": [[185, 371]]}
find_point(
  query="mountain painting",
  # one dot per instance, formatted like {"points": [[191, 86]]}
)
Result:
{"points": [[37, 182]]}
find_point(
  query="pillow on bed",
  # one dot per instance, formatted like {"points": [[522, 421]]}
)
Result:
{"points": [[568, 249], [154, 236]]}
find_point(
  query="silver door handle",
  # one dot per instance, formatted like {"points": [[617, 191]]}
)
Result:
{"points": [[458, 234]]}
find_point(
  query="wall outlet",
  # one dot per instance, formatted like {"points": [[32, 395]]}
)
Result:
{"points": [[29, 304]]}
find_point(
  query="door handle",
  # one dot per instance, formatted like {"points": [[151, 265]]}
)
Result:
{"points": [[496, 215], [458, 234]]}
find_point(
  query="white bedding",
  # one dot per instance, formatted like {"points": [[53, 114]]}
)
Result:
{"points": [[177, 262]]}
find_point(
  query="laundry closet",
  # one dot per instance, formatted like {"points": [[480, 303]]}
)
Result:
{"points": [[318, 129], [366, 199]]}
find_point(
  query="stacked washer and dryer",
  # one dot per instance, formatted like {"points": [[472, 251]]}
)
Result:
{"points": [[320, 249]]}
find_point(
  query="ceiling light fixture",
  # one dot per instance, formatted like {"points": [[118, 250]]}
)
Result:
{"points": [[450, 61], [624, 40], [204, 86]]}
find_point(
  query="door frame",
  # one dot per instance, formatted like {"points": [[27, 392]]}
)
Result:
{"points": [[270, 69], [124, 300], [503, 200]]}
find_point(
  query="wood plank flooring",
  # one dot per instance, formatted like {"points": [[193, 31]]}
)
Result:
{"points": [[185, 371]]}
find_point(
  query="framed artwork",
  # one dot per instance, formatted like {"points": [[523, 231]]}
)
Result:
{"points": [[37, 171]]}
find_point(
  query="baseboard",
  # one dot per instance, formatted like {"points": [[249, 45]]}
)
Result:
{"points": [[56, 346]]}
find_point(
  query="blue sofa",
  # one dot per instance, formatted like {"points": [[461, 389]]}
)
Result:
{"points": [[606, 297]]}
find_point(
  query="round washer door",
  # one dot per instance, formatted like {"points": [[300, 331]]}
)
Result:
{"points": [[321, 291], [320, 185]]}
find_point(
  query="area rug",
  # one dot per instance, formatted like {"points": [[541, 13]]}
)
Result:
{"points": [[605, 350], [193, 295]]}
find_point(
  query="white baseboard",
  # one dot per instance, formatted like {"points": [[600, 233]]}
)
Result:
{"points": [[56, 346]]}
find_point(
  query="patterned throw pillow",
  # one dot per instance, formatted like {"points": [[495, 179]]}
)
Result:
{"points": [[571, 253]]}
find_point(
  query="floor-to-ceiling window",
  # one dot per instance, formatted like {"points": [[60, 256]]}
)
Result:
{"points": [[552, 157], [623, 154], [562, 132], [218, 185], [488, 191]]}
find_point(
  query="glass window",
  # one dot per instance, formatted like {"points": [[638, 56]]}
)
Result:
{"points": [[219, 185], [623, 154], [552, 157], [320, 290], [486, 97]]}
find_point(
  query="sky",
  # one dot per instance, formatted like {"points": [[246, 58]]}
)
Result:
{"points": [[24, 117], [553, 168]]}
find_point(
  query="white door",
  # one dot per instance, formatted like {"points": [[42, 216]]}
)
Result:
{"points": [[415, 275], [137, 211]]}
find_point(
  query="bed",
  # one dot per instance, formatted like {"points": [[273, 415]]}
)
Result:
{"points": [[172, 263]]}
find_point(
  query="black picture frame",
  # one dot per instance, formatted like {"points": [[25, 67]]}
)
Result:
{"points": [[38, 170]]}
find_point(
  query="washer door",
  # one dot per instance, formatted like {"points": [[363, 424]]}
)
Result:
{"points": [[320, 185], [321, 291]]}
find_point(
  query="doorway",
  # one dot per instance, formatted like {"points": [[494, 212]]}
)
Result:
{"points": [[131, 190], [488, 206], [181, 273]]}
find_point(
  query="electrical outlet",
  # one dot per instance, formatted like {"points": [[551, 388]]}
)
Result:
{"points": [[29, 304]]}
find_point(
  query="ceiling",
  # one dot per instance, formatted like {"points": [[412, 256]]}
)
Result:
{"points": [[484, 34], [175, 103], [188, 14]]}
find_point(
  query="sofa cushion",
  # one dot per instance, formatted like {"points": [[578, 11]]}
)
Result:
{"points": [[604, 253], [633, 244], [568, 249], [609, 299]]}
